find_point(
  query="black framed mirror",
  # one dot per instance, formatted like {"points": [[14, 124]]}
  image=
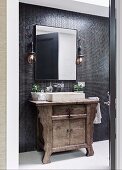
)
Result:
{"points": [[56, 53]]}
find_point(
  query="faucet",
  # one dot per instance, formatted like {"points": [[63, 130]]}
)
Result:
{"points": [[58, 87], [49, 89]]}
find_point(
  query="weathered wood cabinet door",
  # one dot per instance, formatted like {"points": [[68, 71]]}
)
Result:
{"points": [[60, 133], [77, 131], [68, 132]]}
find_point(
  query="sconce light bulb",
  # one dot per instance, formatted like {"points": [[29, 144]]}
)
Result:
{"points": [[31, 58], [79, 60]]}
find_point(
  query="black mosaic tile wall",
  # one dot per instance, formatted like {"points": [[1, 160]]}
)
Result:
{"points": [[94, 34]]}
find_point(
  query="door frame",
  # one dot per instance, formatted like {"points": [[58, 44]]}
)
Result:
{"points": [[12, 103], [112, 81], [13, 81], [118, 6]]}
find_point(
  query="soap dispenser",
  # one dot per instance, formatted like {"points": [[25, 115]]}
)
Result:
{"points": [[42, 96], [50, 88]]}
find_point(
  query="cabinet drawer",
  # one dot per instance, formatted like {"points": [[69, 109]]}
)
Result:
{"points": [[61, 110], [70, 109], [78, 109]]}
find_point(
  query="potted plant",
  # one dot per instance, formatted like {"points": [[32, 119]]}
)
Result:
{"points": [[79, 87], [38, 93], [35, 91]]}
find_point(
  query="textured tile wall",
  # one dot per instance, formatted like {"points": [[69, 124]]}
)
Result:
{"points": [[3, 84], [94, 34]]}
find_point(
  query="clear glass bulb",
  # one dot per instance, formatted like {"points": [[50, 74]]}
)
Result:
{"points": [[79, 60], [31, 58]]}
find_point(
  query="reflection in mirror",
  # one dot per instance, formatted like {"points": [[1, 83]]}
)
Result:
{"points": [[56, 53]]}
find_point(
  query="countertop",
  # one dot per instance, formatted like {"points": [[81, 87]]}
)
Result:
{"points": [[83, 101]]}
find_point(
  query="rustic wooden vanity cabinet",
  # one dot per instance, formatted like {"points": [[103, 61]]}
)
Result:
{"points": [[65, 126]]}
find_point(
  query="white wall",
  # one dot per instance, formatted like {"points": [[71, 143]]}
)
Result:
{"points": [[96, 2], [72, 5], [119, 85], [12, 84]]}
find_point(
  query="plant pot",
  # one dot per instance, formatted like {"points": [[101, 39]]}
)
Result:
{"points": [[38, 96], [35, 95]]}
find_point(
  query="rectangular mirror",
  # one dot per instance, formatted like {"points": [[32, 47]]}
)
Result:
{"points": [[56, 53]]}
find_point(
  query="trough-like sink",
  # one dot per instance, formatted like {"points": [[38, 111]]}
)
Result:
{"points": [[65, 96]]}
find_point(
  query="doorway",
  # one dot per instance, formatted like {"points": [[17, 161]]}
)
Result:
{"points": [[94, 71]]}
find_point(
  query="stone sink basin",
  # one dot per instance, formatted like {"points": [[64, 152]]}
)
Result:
{"points": [[65, 96]]}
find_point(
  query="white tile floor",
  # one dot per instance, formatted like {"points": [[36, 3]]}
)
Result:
{"points": [[69, 160]]}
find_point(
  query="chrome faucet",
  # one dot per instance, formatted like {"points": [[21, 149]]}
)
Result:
{"points": [[58, 87], [50, 88]]}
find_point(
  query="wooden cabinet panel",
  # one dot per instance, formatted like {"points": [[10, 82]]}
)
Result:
{"points": [[70, 109], [60, 133], [61, 110], [78, 109], [77, 131]]}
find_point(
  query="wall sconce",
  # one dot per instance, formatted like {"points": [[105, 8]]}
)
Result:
{"points": [[31, 55], [80, 56]]}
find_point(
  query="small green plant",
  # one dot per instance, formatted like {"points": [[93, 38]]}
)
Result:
{"points": [[79, 87], [36, 88]]}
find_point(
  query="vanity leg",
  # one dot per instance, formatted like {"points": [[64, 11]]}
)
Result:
{"points": [[45, 115], [90, 151], [46, 157], [91, 110]]}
